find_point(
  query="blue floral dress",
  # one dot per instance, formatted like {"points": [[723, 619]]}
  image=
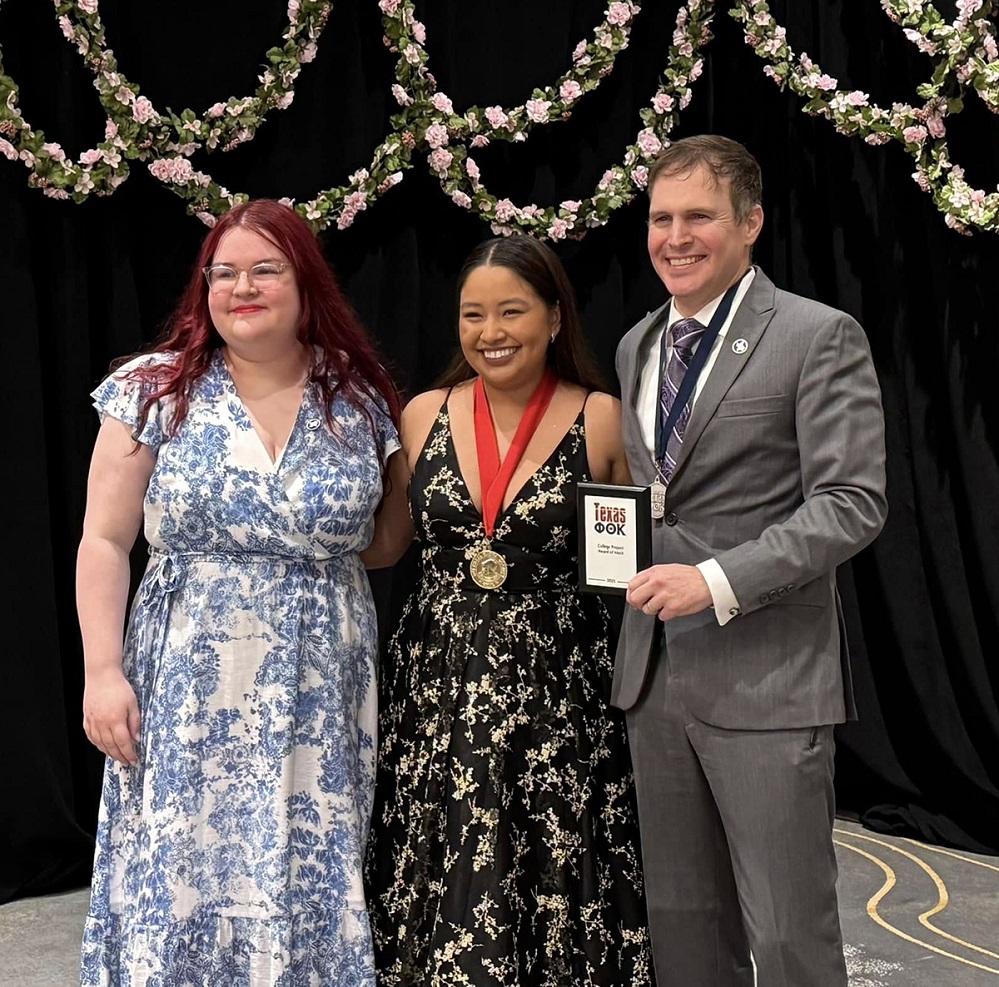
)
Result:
{"points": [[232, 854]]}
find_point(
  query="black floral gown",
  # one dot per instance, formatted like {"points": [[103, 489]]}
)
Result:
{"points": [[504, 848]]}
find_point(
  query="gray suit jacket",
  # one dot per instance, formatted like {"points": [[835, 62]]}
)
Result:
{"points": [[780, 478]]}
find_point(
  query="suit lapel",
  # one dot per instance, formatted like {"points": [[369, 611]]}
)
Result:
{"points": [[645, 338], [750, 321]]}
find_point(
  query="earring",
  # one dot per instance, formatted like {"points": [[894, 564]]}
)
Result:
{"points": [[552, 339]]}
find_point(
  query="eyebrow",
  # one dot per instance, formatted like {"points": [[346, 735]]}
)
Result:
{"points": [[506, 301], [263, 260], [704, 210]]}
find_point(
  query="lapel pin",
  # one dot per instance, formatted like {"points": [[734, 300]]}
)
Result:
{"points": [[740, 346], [312, 424]]}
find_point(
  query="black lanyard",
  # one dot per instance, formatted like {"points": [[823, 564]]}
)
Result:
{"points": [[692, 373]]}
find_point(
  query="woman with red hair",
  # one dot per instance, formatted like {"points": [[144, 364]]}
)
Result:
{"points": [[238, 714]]}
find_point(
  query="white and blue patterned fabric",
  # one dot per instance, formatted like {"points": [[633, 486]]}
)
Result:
{"points": [[231, 855]]}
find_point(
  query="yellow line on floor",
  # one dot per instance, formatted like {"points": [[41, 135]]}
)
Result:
{"points": [[943, 898], [950, 853], [875, 900]]}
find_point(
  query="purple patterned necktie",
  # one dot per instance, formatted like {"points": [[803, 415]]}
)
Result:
{"points": [[686, 334]]}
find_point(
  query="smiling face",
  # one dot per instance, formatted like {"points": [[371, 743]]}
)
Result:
{"points": [[504, 327], [697, 245], [253, 316]]}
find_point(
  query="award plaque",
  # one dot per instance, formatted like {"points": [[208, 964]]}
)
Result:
{"points": [[615, 535]]}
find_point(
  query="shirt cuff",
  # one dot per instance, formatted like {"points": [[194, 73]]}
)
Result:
{"points": [[722, 598]]}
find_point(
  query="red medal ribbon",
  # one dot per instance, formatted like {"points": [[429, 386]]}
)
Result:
{"points": [[494, 477]]}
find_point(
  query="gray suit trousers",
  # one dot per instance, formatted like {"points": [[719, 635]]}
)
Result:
{"points": [[737, 847]]}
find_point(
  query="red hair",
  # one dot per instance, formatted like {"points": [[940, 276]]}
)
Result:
{"points": [[350, 363]]}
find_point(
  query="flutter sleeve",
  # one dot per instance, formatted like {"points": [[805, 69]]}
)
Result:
{"points": [[121, 396], [386, 434]]}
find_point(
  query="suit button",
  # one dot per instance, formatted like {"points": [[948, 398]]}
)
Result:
{"points": [[671, 519], [782, 591], [764, 598]]}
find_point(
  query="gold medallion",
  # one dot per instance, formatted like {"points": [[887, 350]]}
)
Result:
{"points": [[488, 569]]}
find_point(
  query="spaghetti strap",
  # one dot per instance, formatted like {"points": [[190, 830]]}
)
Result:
{"points": [[587, 398]]}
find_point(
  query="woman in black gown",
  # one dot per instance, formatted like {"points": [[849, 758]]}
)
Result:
{"points": [[504, 848]]}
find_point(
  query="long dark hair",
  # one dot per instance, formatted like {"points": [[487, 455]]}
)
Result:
{"points": [[350, 363], [536, 264]]}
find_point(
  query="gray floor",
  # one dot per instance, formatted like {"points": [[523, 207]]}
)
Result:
{"points": [[886, 885]]}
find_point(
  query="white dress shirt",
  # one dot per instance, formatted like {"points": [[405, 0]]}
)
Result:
{"points": [[725, 604]]}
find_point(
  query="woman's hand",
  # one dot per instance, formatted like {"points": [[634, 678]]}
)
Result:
{"points": [[111, 715]]}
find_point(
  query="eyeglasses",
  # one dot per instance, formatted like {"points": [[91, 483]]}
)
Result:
{"points": [[264, 276]]}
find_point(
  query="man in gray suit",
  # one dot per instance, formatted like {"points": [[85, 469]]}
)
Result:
{"points": [[732, 660]]}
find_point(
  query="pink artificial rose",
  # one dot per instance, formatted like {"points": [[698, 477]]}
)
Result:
{"points": [[388, 6], [55, 151], [662, 103], [309, 53], [90, 157], [67, 28], [649, 143], [400, 95], [461, 199], [640, 176], [579, 51], [88, 6], [178, 170], [570, 205], [357, 201], [124, 95], [55, 193], [915, 135], [419, 32], [436, 135], [505, 210], [618, 14], [142, 110], [480, 140], [570, 90], [935, 125], [559, 228], [440, 160], [8, 150], [442, 103], [472, 169], [412, 54], [293, 6], [537, 109], [496, 117]]}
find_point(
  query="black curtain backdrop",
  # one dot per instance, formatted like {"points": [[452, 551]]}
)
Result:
{"points": [[845, 223]]}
